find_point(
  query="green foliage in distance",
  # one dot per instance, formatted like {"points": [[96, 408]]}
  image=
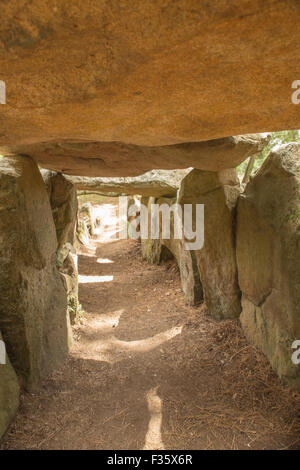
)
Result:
{"points": [[277, 138]]}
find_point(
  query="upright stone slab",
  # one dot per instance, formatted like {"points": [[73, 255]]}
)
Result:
{"points": [[156, 250], [63, 200], [33, 301], [189, 275], [64, 205], [268, 256], [151, 249], [216, 260], [186, 260], [9, 391]]}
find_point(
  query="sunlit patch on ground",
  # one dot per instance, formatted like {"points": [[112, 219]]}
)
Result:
{"points": [[153, 440], [108, 348], [106, 321], [112, 350], [104, 261], [94, 279]]}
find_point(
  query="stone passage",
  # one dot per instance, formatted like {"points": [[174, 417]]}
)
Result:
{"points": [[33, 304], [268, 253]]}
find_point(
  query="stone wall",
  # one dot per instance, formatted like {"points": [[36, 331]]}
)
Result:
{"points": [[155, 251], [218, 191], [249, 263], [268, 256], [64, 205], [63, 200], [151, 249], [33, 301], [211, 271]]}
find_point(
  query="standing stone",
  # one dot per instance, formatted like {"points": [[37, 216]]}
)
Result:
{"points": [[33, 301], [86, 223], [186, 260], [9, 393], [63, 200], [151, 249], [218, 191], [162, 249], [133, 217], [268, 256], [64, 205], [189, 275]]}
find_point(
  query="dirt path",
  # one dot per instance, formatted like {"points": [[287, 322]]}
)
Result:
{"points": [[148, 371]]}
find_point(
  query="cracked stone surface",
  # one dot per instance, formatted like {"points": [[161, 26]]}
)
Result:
{"points": [[268, 253]]}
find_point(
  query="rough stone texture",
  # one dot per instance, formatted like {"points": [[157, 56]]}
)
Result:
{"points": [[119, 159], [33, 302], [145, 73], [133, 217], [86, 213], [151, 249], [216, 260], [268, 254], [63, 200], [153, 183], [82, 232], [190, 276], [64, 205], [9, 394], [69, 272], [186, 259]]}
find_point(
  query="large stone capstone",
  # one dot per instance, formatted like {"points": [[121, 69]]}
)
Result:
{"points": [[146, 73], [33, 301], [153, 183], [268, 254], [85, 158]]}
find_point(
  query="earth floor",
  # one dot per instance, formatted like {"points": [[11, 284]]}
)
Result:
{"points": [[149, 371]]}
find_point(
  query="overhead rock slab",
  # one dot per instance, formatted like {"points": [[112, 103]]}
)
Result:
{"points": [[33, 301], [216, 259], [120, 159], [9, 393], [268, 254], [153, 183], [146, 73]]}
